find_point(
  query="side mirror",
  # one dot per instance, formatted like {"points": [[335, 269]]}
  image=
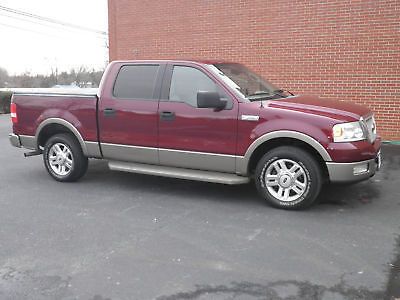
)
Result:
{"points": [[210, 100]]}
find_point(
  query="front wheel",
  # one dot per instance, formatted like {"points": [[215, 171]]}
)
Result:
{"points": [[64, 159], [288, 177]]}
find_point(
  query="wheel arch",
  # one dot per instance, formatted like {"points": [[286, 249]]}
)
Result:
{"points": [[247, 164], [52, 126]]}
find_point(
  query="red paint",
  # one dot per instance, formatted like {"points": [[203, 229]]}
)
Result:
{"points": [[309, 115], [33, 110], [201, 130], [356, 151], [137, 122]]}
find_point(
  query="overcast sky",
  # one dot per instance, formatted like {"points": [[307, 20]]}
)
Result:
{"points": [[28, 44]]}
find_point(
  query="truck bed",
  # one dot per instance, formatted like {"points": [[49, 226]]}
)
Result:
{"points": [[58, 91], [78, 108]]}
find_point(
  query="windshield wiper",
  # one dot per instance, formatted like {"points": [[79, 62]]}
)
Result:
{"points": [[280, 91], [265, 96], [260, 95]]}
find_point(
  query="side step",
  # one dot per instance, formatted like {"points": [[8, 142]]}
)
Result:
{"points": [[190, 174]]}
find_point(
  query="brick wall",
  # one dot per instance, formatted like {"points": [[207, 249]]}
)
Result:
{"points": [[348, 50]]}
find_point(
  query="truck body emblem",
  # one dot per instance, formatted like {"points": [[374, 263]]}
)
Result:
{"points": [[249, 118]]}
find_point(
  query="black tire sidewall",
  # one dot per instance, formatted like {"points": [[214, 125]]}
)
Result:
{"points": [[79, 160], [306, 161]]}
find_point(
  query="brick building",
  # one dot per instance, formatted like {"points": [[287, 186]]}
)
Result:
{"points": [[348, 50]]}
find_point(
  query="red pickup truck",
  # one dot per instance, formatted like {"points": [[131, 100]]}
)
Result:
{"points": [[201, 120]]}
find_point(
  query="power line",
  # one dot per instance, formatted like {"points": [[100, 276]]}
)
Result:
{"points": [[25, 29], [50, 20], [52, 26], [38, 32]]}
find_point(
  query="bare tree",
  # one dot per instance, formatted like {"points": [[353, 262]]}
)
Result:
{"points": [[4, 78], [82, 77]]}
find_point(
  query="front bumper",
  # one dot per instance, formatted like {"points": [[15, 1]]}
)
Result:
{"points": [[14, 140], [355, 171]]}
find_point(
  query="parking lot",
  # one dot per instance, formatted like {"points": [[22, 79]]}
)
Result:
{"points": [[126, 236]]}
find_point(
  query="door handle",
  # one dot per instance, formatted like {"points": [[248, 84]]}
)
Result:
{"points": [[109, 112], [167, 115]]}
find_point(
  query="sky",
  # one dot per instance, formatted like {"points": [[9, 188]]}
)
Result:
{"points": [[36, 46]]}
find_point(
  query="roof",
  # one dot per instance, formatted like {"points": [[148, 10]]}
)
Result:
{"points": [[199, 61]]}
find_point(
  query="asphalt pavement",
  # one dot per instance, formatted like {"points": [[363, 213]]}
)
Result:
{"points": [[126, 236]]}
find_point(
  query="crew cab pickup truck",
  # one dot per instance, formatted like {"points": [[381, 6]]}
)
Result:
{"points": [[201, 120]]}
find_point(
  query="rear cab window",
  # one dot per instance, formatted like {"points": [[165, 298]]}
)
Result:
{"points": [[136, 82]]}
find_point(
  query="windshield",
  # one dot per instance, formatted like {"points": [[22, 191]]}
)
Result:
{"points": [[247, 83]]}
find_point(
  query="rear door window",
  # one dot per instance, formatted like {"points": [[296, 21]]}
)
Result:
{"points": [[136, 82]]}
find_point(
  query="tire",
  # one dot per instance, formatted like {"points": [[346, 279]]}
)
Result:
{"points": [[64, 159], [289, 178]]}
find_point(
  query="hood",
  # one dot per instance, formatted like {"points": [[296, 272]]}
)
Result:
{"points": [[315, 105]]}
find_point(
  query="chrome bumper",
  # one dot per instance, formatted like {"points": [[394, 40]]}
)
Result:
{"points": [[352, 172], [14, 140]]}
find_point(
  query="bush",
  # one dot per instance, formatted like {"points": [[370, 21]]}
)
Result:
{"points": [[5, 100]]}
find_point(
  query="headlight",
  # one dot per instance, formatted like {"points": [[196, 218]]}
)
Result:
{"points": [[348, 132]]}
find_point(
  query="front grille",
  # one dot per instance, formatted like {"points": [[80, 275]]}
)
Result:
{"points": [[370, 127]]}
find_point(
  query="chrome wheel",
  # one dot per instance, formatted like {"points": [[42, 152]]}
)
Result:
{"points": [[60, 159], [286, 180]]}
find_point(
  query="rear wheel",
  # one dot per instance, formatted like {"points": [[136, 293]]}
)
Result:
{"points": [[64, 159], [288, 177]]}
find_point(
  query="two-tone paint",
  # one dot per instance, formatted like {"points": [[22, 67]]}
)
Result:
{"points": [[132, 130]]}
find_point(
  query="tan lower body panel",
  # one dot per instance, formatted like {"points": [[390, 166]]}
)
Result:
{"points": [[199, 175]]}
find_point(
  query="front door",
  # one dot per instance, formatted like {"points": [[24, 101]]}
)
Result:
{"points": [[192, 137], [128, 116]]}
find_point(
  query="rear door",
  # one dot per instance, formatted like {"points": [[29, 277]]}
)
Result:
{"points": [[128, 114], [192, 137]]}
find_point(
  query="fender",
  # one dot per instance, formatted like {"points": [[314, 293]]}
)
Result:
{"points": [[63, 123], [243, 162]]}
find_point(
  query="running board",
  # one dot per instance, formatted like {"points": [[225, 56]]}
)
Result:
{"points": [[181, 173]]}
